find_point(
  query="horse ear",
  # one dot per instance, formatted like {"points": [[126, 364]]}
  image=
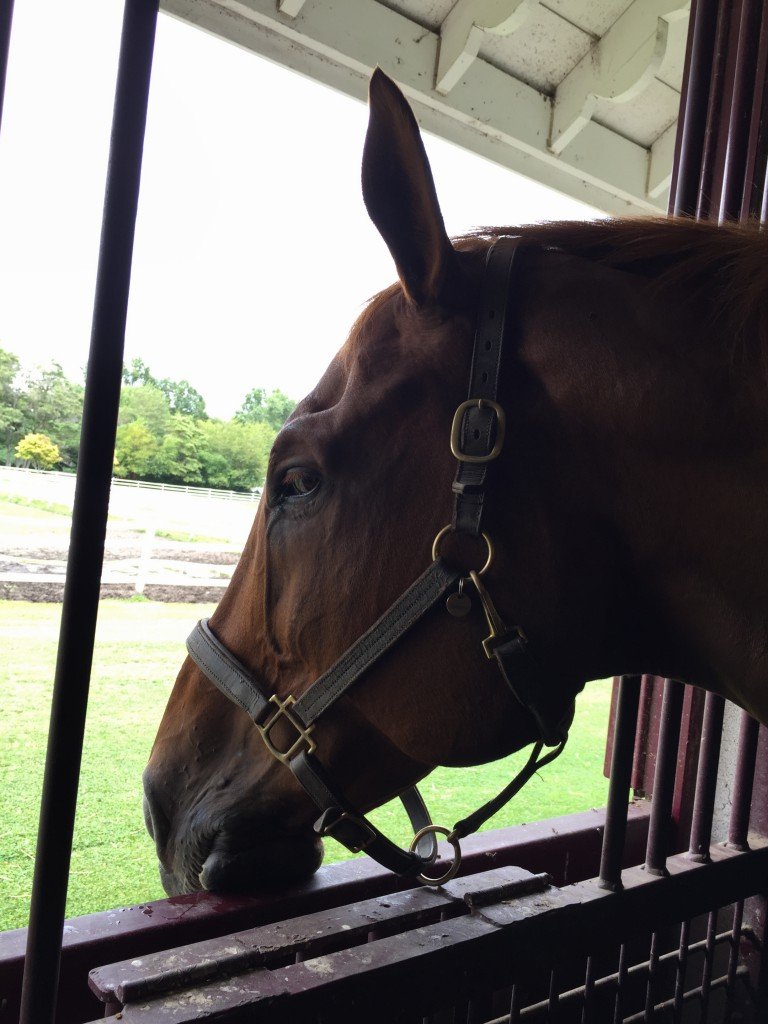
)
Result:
{"points": [[400, 197]]}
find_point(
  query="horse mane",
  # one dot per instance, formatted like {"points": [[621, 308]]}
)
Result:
{"points": [[724, 266]]}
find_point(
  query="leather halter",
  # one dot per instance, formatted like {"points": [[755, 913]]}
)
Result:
{"points": [[477, 436]]}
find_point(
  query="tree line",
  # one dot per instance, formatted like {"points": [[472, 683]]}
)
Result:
{"points": [[164, 433]]}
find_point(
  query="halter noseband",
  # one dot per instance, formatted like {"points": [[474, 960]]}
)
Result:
{"points": [[477, 437]]}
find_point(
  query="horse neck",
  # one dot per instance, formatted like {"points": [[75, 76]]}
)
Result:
{"points": [[670, 441]]}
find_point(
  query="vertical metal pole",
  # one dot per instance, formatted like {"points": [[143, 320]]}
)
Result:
{"points": [[740, 115], [618, 790], [749, 732], [693, 109], [94, 472], [664, 778], [706, 778], [6, 19]]}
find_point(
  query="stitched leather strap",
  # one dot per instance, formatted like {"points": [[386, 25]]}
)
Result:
{"points": [[479, 424], [226, 671], [393, 624]]}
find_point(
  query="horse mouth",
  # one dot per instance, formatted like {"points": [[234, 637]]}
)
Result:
{"points": [[273, 862]]}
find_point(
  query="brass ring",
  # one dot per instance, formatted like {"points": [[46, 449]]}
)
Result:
{"points": [[449, 529], [454, 867]]}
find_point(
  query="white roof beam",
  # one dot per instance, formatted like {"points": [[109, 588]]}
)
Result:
{"points": [[461, 33], [618, 67], [290, 7], [660, 160], [339, 42]]}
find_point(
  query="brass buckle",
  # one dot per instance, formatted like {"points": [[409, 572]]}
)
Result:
{"points": [[458, 418], [283, 711], [356, 820]]}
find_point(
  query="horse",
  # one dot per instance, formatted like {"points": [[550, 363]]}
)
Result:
{"points": [[626, 512]]}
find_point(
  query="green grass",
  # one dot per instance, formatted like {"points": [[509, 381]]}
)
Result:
{"points": [[37, 503], [140, 646], [189, 538]]}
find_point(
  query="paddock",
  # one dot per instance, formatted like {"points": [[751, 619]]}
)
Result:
{"points": [[650, 909]]}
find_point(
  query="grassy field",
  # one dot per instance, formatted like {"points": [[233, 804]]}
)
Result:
{"points": [[140, 646]]}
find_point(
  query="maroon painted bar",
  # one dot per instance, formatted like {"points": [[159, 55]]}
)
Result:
{"points": [[621, 776], [659, 829], [706, 781]]}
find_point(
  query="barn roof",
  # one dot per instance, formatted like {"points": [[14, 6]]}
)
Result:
{"points": [[581, 95]]}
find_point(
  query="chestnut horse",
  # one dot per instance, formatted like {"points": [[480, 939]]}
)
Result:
{"points": [[628, 509]]}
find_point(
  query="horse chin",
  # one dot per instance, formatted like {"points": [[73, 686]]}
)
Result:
{"points": [[275, 862]]}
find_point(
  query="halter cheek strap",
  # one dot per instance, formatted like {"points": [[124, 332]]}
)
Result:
{"points": [[477, 437]]}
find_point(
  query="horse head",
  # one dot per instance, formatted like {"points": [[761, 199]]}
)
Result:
{"points": [[358, 486]]}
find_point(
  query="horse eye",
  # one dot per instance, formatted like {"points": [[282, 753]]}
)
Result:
{"points": [[298, 483]]}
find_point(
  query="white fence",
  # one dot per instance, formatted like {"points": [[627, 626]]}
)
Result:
{"points": [[200, 511], [10, 473]]}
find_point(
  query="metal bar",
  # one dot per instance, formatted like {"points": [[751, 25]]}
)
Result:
{"points": [[6, 20], [682, 963], [707, 195], [94, 472], [621, 981], [733, 959], [709, 956], [706, 778], [749, 732], [589, 992], [757, 153], [694, 993], [650, 991], [693, 107], [553, 1000], [618, 790], [740, 115], [610, 981], [664, 778], [515, 1005]]}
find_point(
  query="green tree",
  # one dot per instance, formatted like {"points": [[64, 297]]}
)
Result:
{"points": [[39, 450], [180, 457], [10, 395], [52, 404], [236, 454], [272, 408], [183, 398], [137, 372], [135, 450], [147, 403]]}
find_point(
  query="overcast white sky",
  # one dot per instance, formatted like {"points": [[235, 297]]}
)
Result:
{"points": [[253, 253]]}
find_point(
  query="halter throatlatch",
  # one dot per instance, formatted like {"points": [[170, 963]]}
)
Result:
{"points": [[477, 438]]}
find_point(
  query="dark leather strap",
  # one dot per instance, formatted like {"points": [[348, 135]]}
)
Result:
{"points": [[473, 821], [241, 686], [343, 823], [226, 671], [479, 423], [396, 621]]}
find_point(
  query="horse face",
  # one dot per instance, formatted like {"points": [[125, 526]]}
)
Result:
{"points": [[359, 484]]}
